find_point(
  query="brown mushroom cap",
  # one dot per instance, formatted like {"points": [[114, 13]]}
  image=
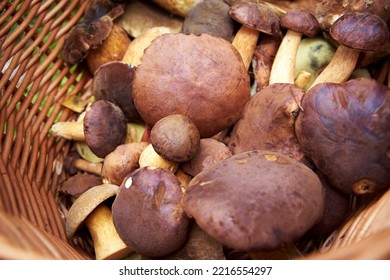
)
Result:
{"points": [[345, 130], [122, 161], [175, 137], [209, 153], [105, 127], [77, 184], [85, 204], [256, 16], [300, 21], [211, 17], [202, 77], [255, 201], [268, 122], [361, 31], [147, 212], [112, 82]]}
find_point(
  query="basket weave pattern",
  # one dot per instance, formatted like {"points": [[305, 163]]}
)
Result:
{"points": [[34, 81]]}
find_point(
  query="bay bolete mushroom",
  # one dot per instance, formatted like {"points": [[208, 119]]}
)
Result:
{"points": [[356, 32], [90, 33], [255, 201], [210, 152], [298, 23], [175, 137], [112, 82], [268, 122], [89, 210], [147, 212], [345, 130], [121, 161], [211, 17], [105, 127], [255, 18], [202, 77]]}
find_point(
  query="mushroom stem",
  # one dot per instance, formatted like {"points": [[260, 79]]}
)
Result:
{"points": [[90, 167], [284, 63], [107, 243], [302, 79], [149, 157], [69, 130], [340, 67], [245, 42]]}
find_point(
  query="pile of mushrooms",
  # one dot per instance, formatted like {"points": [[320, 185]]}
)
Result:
{"points": [[223, 129]]}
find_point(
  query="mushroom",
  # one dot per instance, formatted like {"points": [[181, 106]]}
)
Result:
{"points": [[336, 210], [175, 137], [355, 32], [209, 153], [149, 157], [177, 7], [112, 82], [263, 58], [74, 163], [90, 33], [148, 214], [89, 210], [177, 84], [255, 201], [327, 12], [102, 127], [135, 51], [140, 16], [121, 161], [255, 18], [344, 130], [268, 122], [105, 127], [298, 23], [199, 246], [211, 17], [76, 185], [113, 48]]}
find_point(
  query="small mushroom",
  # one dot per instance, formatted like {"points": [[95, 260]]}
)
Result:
{"points": [[344, 130], [255, 201], [89, 210], [268, 122], [175, 137], [74, 163], [177, 84], [148, 214], [211, 17], [356, 32], [327, 12], [255, 18], [92, 31], [112, 82], [298, 23], [121, 161], [140, 16], [209, 153], [112, 49], [105, 127]]}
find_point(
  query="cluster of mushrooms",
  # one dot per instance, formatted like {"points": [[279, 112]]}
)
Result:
{"points": [[225, 129]]}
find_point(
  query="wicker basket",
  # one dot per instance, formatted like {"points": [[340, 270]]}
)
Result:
{"points": [[34, 81]]}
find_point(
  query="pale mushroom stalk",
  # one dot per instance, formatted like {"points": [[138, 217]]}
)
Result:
{"points": [[69, 130], [284, 63], [245, 42], [106, 241], [87, 166], [302, 79], [340, 67], [298, 23]]}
